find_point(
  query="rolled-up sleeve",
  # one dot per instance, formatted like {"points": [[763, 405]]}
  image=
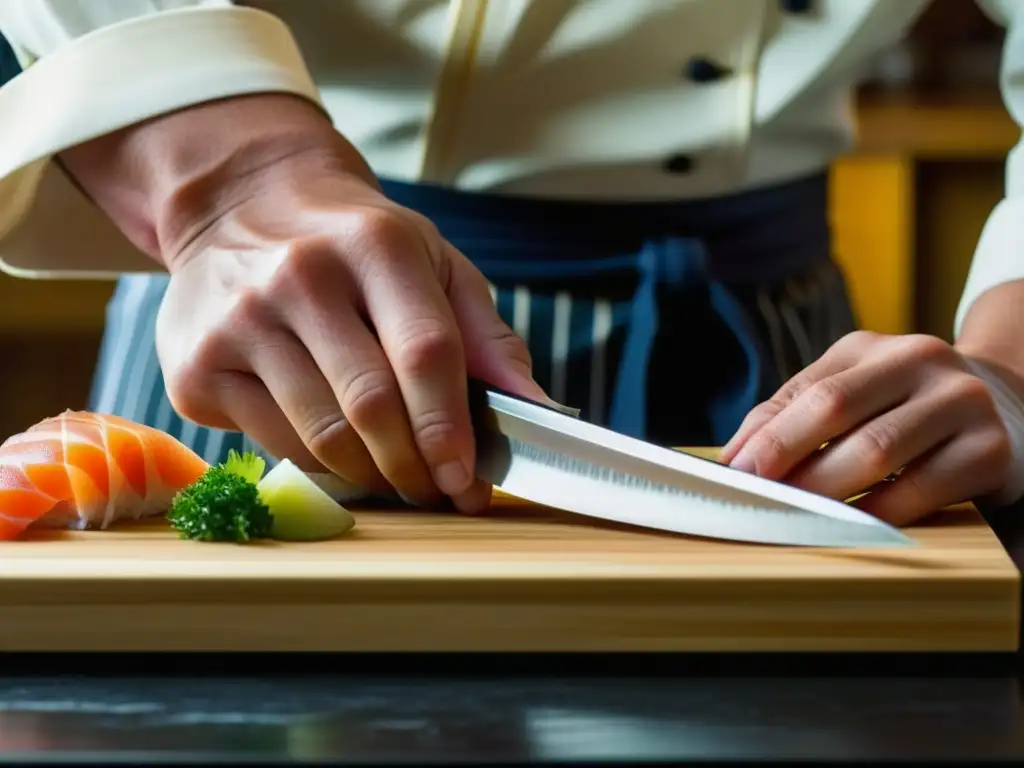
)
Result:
{"points": [[999, 256], [91, 67]]}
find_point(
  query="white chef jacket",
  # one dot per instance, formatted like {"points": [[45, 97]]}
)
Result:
{"points": [[586, 99]]}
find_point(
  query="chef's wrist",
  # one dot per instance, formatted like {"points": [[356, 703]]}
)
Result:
{"points": [[164, 181], [1006, 389]]}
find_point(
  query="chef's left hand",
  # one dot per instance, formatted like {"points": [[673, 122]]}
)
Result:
{"points": [[883, 404]]}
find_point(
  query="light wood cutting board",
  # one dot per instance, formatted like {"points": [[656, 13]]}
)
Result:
{"points": [[520, 578]]}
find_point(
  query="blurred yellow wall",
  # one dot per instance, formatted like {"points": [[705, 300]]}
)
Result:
{"points": [[909, 204]]}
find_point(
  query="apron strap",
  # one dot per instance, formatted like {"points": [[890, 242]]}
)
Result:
{"points": [[679, 264]]}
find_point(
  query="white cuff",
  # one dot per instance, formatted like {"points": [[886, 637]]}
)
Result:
{"points": [[1011, 411], [998, 258], [109, 79]]}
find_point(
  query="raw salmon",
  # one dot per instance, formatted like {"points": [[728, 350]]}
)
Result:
{"points": [[87, 470]]}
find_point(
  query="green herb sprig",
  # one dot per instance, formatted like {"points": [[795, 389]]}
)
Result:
{"points": [[224, 504]]}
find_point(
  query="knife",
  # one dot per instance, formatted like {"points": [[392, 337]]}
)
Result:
{"points": [[547, 455]]}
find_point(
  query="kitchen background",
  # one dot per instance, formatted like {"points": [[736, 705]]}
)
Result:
{"points": [[908, 205]]}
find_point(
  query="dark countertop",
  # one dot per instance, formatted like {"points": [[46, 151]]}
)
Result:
{"points": [[480, 722], [513, 710]]}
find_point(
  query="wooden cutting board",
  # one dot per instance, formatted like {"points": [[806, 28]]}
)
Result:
{"points": [[520, 578]]}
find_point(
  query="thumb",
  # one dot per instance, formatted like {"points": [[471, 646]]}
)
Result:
{"points": [[494, 353]]}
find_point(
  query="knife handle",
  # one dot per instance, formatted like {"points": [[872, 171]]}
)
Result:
{"points": [[478, 394]]}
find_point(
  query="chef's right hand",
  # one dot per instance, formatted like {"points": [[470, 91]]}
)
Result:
{"points": [[305, 308]]}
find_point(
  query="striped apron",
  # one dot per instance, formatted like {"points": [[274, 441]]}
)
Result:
{"points": [[665, 321]]}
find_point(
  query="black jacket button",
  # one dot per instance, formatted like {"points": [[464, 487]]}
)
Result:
{"points": [[679, 164], [704, 70], [796, 6]]}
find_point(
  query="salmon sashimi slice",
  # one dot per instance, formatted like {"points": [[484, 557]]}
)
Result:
{"points": [[88, 470]]}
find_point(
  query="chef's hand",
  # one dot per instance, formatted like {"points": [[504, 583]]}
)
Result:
{"points": [[304, 307], [883, 404]]}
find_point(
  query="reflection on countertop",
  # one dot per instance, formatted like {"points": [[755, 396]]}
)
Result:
{"points": [[510, 720]]}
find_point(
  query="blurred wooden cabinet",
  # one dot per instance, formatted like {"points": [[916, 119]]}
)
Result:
{"points": [[910, 202]]}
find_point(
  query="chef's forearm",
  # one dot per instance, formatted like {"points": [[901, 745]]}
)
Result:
{"points": [[163, 181], [993, 332]]}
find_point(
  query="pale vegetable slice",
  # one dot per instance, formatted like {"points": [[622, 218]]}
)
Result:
{"points": [[337, 488], [302, 511]]}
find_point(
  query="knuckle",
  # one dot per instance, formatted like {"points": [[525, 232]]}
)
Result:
{"points": [[194, 393], [769, 409], [425, 345], [388, 236], [874, 446], [916, 497], [306, 263], [216, 349], [367, 395], [995, 452], [769, 450], [195, 377], [252, 309], [186, 398], [828, 400], [382, 230], [426, 227], [186, 380], [266, 347], [857, 339], [924, 348], [759, 415], [435, 432], [511, 345], [791, 390], [970, 390], [323, 433]]}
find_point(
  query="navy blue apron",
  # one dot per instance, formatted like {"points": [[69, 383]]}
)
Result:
{"points": [[688, 352]]}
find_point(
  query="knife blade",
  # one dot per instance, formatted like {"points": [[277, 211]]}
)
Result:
{"points": [[547, 455]]}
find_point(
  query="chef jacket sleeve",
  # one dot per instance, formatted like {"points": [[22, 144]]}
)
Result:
{"points": [[999, 256], [91, 67]]}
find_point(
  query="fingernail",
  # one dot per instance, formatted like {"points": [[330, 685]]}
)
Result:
{"points": [[475, 500], [538, 390], [452, 478], [744, 462], [732, 445], [568, 410]]}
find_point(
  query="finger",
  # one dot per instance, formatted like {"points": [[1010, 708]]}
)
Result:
{"points": [[299, 388], [967, 467], [417, 331], [244, 400], [836, 359], [757, 418], [360, 376], [494, 352], [884, 445], [830, 408]]}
